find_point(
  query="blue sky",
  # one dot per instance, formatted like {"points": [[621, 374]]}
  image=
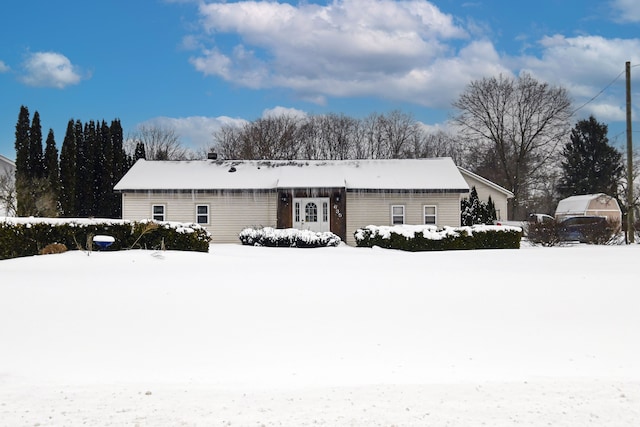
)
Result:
{"points": [[194, 65]]}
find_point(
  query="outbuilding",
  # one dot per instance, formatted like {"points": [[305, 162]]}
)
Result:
{"points": [[598, 204]]}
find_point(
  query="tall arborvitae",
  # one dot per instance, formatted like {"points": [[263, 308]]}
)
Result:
{"points": [[22, 140], [51, 166], [86, 185], [35, 163], [68, 169], [103, 169], [121, 164], [22, 160]]}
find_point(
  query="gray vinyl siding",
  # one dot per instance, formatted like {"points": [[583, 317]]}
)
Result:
{"points": [[372, 208], [229, 213]]}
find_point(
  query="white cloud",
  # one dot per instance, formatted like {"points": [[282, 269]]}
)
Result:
{"points": [[406, 50], [195, 132], [344, 48], [284, 111], [50, 69], [627, 10], [3, 67], [589, 67]]}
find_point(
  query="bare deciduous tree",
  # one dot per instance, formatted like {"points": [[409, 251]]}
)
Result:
{"points": [[516, 125], [160, 143], [8, 193]]}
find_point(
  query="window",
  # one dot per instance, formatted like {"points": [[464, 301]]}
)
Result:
{"points": [[311, 212], [325, 212], [297, 212], [430, 215], [202, 214], [157, 212], [397, 214]]}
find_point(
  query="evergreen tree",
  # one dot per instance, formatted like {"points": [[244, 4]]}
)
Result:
{"points": [[475, 211], [22, 160], [121, 164], [35, 162], [87, 187], [103, 170], [68, 172], [492, 215], [139, 153], [51, 166], [22, 141], [590, 165]]}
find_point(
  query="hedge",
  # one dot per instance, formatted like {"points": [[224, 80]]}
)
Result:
{"points": [[416, 238], [28, 236], [287, 237]]}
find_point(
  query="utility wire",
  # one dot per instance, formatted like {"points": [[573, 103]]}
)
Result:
{"points": [[602, 91]]}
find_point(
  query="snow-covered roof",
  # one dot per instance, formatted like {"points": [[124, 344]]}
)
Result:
{"points": [[578, 205], [6, 164], [437, 174]]}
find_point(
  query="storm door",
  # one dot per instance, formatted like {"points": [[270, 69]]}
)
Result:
{"points": [[311, 213]]}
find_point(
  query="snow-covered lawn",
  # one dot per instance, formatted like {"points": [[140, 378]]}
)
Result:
{"points": [[248, 336]]}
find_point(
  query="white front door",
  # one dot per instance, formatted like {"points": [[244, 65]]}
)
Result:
{"points": [[311, 213]]}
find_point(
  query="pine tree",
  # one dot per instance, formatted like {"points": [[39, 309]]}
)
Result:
{"points": [[590, 165]]}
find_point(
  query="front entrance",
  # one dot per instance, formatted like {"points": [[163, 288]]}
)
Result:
{"points": [[311, 214]]}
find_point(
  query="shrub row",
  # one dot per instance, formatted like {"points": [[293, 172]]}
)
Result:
{"points": [[288, 237], [26, 237], [430, 238], [552, 233]]}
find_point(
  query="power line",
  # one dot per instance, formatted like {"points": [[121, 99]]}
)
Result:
{"points": [[602, 91]]}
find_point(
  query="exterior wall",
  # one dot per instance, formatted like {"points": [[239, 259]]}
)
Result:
{"points": [[374, 208], [7, 171], [484, 191], [605, 207], [229, 212]]}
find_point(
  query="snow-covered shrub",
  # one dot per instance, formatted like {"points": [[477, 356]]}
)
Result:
{"points": [[287, 237], [431, 238], [27, 236]]}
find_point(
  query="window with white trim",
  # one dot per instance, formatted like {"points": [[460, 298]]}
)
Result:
{"points": [[397, 214], [325, 212], [202, 214], [158, 212], [430, 215]]}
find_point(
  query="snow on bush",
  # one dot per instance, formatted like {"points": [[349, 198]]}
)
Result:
{"points": [[27, 236], [430, 237], [287, 237]]}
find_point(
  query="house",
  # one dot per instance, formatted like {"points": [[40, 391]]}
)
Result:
{"points": [[589, 205], [7, 186], [485, 188], [340, 196]]}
